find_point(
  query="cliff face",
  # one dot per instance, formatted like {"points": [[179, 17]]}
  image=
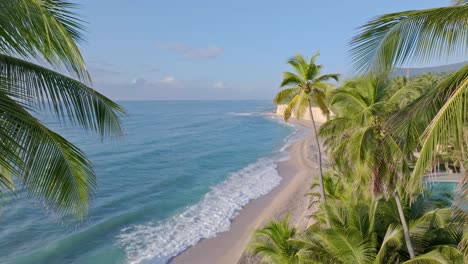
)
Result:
{"points": [[318, 116]]}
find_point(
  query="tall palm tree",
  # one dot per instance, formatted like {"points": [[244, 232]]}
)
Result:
{"points": [[273, 243], [32, 156], [306, 88], [358, 139], [423, 36]]}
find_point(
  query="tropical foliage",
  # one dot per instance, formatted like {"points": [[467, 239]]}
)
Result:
{"points": [[369, 231], [306, 88], [423, 36], [273, 243], [32, 156], [387, 134]]}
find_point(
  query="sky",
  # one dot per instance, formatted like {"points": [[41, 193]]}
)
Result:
{"points": [[217, 50]]}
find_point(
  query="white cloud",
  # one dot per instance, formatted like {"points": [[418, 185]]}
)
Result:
{"points": [[167, 80], [138, 81], [192, 52], [219, 85]]}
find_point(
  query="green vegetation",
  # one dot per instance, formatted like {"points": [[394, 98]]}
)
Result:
{"points": [[306, 88], [32, 156], [387, 133]]}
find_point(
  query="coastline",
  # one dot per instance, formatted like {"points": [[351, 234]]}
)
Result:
{"points": [[287, 198]]}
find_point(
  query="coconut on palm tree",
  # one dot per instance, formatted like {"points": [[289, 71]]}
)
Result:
{"points": [[32, 156], [306, 88]]}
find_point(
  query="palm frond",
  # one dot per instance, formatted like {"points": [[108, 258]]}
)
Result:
{"points": [[273, 242], [47, 29], [284, 96], [291, 106], [301, 105], [291, 79], [42, 89], [299, 64], [447, 123], [327, 77], [440, 255], [411, 36], [45, 163], [391, 242]]}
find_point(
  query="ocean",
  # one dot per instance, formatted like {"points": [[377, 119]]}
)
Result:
{"points": [[180, 174]]}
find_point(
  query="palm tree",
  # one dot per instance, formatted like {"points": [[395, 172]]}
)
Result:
{"points": [[422, 36], [306, 88], [358, 139], [273, 243], [369, 231], [31, 155]]}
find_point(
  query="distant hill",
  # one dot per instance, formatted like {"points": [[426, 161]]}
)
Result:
{"points": [[436, 70]]}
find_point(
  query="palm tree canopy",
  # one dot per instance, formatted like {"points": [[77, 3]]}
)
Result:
{"points": [[304, 85], [423, 36], [365, 230], [357, 138], [41, 161]]}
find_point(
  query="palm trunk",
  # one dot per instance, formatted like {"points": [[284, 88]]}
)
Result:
{"points": [[322, 188], [409, 245]]}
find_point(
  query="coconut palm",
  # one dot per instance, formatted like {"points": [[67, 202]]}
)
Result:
{"points": [[422, 36], [352, 237], [360, 143], [369, 231], [306, 88], [32, 156], [273, 243]]}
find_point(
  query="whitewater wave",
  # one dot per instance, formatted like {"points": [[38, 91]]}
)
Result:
{"points": [[159, 242], [241, 114]]}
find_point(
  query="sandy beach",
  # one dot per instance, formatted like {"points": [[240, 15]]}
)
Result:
{"points": [[287, 198]]}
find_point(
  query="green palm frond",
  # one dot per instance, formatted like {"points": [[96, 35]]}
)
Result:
{"points": [[31, 155], [291, 79], [299, 64], [291, 106], [392, 241], [411, 36], [45, 163], [273, 243], [327, 77], [284, 96], [320, 99], [448, 122], [313, 69], [39, 88], [440, 255], [43, 29], [301, 105]]}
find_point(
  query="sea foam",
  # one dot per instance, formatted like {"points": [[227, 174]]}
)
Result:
{"points": [[159, 242]]}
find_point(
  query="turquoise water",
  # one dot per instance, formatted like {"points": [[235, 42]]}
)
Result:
{"points": [[180, 174]]}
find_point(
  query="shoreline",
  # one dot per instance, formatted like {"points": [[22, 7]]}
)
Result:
{"points": [[287, 198]]}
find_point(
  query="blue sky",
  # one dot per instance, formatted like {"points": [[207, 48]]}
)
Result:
{"points": [[207, 49]]}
